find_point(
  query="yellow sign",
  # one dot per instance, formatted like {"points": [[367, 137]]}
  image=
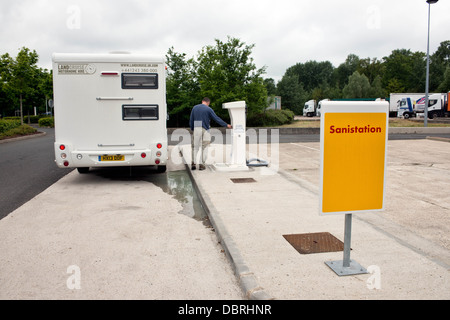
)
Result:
{"points": [[353, 148]]}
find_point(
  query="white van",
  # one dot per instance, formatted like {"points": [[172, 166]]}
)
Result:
{"points": [[110, 110]]}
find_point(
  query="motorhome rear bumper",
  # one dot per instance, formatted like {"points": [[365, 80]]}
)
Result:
{"points": [[68, 158]]}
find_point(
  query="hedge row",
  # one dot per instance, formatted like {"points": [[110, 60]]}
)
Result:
{"points": [[47, 122], [6, 125], [28, 119], [270, 118], [42, 121]]}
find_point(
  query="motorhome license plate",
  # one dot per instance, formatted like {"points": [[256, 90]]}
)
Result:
{"points": [[116, 157]]}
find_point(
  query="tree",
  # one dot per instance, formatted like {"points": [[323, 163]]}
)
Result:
{"points": [[394, 85], [312, 73], [376, 88], [226, 72], [358, 87], [417, 76], [346, 69], [5, 96], [45, 84], [183, 90], [292, 93], [21, 74], [407, 68], [371, 68], [445, 84], [439, 62], [271, 87]]}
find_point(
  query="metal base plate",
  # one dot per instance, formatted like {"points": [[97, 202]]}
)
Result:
{"points": [[354, 268], [242, 180], [306, 243]]}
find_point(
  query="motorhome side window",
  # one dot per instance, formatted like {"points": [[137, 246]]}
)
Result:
{"points": [[139, 81], [140, 112]]}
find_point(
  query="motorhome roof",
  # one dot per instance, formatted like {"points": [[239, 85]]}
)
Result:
{"points": [[106, 57]]}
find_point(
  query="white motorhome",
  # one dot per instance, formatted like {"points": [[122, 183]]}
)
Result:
{"points": [[110, 110]]}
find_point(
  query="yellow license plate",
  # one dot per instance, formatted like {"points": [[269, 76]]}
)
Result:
{"points": [[115, 157]]}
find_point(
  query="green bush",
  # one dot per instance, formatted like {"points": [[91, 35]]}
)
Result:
{"points": [[6, 125], [20, 130], [270, 118], [31, 119], [47, 122]]}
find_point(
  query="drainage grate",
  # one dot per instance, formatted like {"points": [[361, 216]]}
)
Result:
{"points": [[314, 242], [242, 180]]}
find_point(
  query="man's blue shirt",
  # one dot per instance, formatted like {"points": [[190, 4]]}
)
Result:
{"points": [[203, 113]]}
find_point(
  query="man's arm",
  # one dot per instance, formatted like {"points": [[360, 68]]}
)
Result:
{"points": [[217, 119]]}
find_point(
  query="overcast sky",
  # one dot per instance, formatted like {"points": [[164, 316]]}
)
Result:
{"points": [[284, 32]]}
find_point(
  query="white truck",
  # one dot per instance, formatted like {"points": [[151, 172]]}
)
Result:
{"points": [[309, 110], [110, 110], [319, 107], [406, 108], [417, 99], [438, 105]]}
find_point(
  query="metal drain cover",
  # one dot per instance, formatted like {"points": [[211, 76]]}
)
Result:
{"points": [[314, 242], [242, 180]]}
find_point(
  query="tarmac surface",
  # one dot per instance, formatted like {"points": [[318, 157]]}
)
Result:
{"points": [[121, 235]]}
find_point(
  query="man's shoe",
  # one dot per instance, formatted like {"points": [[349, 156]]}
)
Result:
{"points": [[193, 167], [202, 167]]}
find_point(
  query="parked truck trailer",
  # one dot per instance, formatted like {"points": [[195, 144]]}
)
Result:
{"points": [[395, 100]]}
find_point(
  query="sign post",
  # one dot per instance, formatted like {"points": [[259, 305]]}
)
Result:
{"points": [[353, 141]]}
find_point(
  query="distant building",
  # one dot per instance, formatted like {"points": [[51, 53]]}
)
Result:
{"points": [[276, 103]]}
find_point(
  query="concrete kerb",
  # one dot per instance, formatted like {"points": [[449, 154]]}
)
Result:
{"points": [[439, 139], [246, 278], [420, 130]]}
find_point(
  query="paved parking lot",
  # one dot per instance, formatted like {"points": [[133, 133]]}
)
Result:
{"points": [[129, 240]]}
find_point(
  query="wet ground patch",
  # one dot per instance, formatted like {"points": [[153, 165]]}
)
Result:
{"points": [[176, 183]]}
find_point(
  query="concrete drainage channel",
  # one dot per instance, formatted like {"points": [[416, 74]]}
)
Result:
{"points": [[246, 278]]}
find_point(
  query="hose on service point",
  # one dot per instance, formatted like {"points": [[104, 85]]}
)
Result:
{"points": [[260, 163]]}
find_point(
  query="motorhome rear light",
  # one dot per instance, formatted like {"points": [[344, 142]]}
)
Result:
{"points": [[157, 161], [159, 145], [143, 155], [62, 147], [158, 154], [63, 155], [66, 163]]}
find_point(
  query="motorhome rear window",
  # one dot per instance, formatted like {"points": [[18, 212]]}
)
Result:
{"points": [[139, 81], [140, 112]]}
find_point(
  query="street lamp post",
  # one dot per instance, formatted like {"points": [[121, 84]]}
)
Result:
{"points": [[425, 111]]}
